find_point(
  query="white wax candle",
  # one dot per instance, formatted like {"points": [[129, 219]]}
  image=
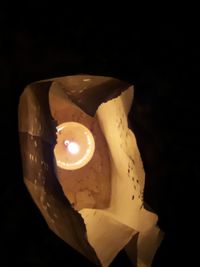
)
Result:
{"points": [[75, 146]]}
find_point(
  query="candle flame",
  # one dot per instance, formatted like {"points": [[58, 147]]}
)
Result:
{"points": [[72, 147]]}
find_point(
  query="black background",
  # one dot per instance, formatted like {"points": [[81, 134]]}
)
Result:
{"points": [[162, 60]]}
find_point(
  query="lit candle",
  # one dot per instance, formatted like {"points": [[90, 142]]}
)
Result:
{"points": [[75, 146]]}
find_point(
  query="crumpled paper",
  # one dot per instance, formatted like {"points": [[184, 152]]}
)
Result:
{"points": [[98, 231]]}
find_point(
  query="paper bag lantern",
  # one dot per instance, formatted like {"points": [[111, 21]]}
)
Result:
{"points": [[83, 169]]}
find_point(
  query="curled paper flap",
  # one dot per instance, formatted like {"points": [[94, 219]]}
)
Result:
{"points": [[126, 210], [106, 235]]}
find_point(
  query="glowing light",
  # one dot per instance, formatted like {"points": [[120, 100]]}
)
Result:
{"points": [[75, 146]]}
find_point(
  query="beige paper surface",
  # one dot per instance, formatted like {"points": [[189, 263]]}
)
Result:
{"points": [[126, 207], [106, 235]]}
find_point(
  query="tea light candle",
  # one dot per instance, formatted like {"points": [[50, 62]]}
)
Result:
{"points": [[75, 146]]}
